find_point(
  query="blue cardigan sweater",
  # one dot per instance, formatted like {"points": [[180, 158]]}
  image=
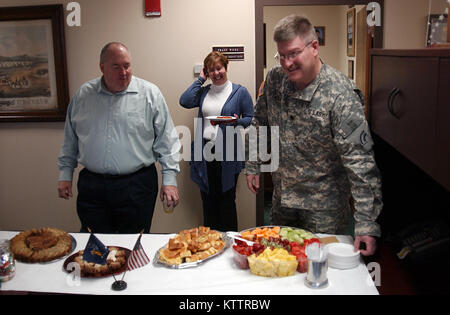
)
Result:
{"points": [[239, 102]]}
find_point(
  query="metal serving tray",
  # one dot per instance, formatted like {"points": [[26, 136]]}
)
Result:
{"points": [[158, 262]]}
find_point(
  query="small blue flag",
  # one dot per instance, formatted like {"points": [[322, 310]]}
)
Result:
{"points": [[95, 251]]}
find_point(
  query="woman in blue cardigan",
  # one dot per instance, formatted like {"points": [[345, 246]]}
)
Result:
{"points": [[213, 167]]}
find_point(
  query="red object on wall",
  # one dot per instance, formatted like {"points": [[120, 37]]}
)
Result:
{"points": [[152, 7]]}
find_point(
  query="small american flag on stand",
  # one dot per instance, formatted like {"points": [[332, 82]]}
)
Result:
{"points": [[138, 258]]}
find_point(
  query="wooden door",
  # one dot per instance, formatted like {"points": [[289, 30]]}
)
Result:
{"points": [[415, 108], [443, 126], [362, 54], [404, 101], [383, 123]]}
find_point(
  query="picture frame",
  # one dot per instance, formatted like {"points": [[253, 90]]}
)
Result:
{"points": [[351, 69], [437, 31], [320, 31], [33, 67], [351, 32]]}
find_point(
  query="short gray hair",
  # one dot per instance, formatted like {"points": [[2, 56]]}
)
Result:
{"points": [[294, 25], [105, 50]]}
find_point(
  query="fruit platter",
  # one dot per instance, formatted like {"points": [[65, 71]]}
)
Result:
{"points": [[273, 251]]}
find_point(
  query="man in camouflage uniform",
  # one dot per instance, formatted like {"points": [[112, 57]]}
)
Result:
{"points": [[325, 148]]}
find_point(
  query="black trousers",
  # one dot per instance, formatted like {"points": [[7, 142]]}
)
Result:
{"points": [[117, 204], [219, 208]]}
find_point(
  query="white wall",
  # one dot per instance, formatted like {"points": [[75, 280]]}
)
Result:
{"points": [[406, 22]]}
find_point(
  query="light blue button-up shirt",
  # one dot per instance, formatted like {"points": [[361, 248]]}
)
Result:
{"points": [[119, 133]]}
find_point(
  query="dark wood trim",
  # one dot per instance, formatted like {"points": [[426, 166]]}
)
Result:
{"points": [[425, 52], [260, 202]]}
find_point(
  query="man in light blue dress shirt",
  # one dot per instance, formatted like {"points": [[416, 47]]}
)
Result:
{"points": [[117, 127]]}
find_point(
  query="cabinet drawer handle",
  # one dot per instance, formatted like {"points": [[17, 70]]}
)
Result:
{"points": [[394, 92]]}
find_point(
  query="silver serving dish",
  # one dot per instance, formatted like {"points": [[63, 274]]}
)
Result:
{"points": [[158, 262]]}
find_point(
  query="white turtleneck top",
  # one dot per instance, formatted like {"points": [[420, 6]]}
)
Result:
{"points": [[212, 106]]}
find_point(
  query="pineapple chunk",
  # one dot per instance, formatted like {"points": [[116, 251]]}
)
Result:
{"points": [[273, 263]]}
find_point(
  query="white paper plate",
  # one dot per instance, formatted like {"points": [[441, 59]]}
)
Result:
{"points": [[342, 266], [342, 256], [221, 118]]}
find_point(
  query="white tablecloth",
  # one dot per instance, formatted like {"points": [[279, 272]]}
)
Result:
{"points": [[218, 276]]}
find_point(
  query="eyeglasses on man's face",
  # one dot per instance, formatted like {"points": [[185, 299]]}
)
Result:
{"points": [[292, 55]]}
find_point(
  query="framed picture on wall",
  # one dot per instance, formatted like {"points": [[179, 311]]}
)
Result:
{"points": [[320, 31], [33, 74], [437, 29], [351, 32]]}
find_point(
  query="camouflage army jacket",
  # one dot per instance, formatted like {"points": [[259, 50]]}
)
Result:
{"points": [[325, 146]]}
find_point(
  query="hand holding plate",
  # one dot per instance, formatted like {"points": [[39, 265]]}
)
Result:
{"points": [[219, 120]]}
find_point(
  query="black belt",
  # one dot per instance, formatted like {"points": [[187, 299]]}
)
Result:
{"points": [[119, 176]]}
